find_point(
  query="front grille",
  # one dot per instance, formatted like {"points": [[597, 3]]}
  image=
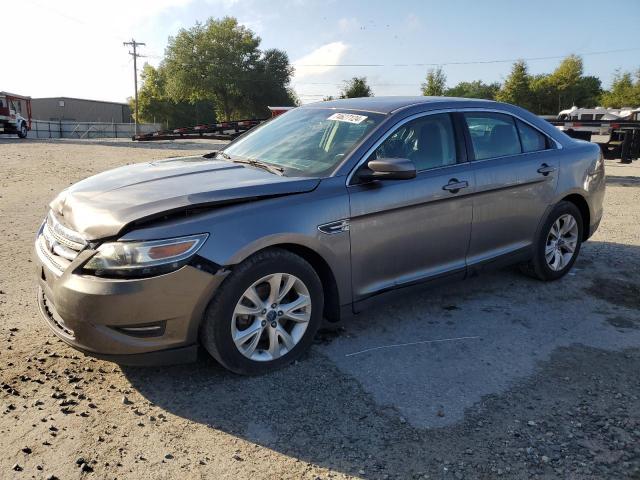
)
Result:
{"points": [[59, 245]]}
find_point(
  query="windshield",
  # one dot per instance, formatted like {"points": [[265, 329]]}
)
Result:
{"points": [[307, 142]]}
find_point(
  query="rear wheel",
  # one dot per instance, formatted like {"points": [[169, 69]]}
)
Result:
{"points": [[265, 313], [558, 243], [23, 131]]}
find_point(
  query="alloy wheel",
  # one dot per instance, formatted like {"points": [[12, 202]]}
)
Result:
{"points": [[562, 241], [271, 317]]}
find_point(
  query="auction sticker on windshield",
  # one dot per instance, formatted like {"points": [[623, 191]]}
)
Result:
{"points": [[348, 117]]}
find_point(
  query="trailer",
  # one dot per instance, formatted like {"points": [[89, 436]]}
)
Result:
{"points": [[13, 109], [617, 138], [217, 131]]}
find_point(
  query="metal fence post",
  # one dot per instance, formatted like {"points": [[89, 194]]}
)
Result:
{"points": [[635, 145], [625, 150]]}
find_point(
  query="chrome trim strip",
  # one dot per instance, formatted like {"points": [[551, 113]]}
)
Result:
{"points": [[64, 234], [394, 127], [47, 259], [332, 228]]}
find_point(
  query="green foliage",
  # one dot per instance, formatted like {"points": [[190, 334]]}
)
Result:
{"points": [[154, 105], [547, 94], [544, 95], [355, 88], [517, 87], [220, 62], [435, 83], [625, 91], [475, 89], [572, 87]]}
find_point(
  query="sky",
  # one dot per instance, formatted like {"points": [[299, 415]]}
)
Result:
{"points": [[74, 48]]}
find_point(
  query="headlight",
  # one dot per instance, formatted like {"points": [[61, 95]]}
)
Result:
{"points": [[143, 259]]}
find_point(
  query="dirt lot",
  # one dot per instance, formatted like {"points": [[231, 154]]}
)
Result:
{"points": [[496, 377]]}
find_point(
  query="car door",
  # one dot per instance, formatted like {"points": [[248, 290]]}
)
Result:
{"points": [[406, 231], [516, 172]]}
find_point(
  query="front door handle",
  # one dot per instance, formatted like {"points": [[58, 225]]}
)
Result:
{"points": [[454, 185], [546, 169]]}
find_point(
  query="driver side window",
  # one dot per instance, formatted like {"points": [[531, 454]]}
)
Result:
{"points": [[428, 141]]}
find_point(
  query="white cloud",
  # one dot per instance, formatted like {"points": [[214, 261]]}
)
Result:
{"points": [[320, 60], [74, 48]]}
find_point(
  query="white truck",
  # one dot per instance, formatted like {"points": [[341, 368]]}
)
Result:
{"points": [[13, 109]]}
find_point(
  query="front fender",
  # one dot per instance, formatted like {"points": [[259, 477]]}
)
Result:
{"points": [[238, 231]]}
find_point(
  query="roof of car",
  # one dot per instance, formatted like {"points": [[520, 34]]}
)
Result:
{"points": [[390, 104]]}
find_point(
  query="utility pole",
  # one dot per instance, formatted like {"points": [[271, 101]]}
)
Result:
{"points": [[135, 56]]}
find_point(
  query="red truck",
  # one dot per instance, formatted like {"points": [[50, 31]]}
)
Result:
{"points": [[13, 109]]}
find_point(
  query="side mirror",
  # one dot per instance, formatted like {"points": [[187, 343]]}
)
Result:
{"points": [[390, 169]]}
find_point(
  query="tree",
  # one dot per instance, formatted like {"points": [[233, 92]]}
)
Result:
{"points": [[572, 86], [435, 83], [544, 95], [589, 91], [516, 88], [624, 92], [220, 61], [154, 105], [566, 78], [356, 87], [475, 89]]}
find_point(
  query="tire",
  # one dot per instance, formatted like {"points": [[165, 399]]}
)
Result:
{"points": [[225, 317], [23, 131], [546, 264]]}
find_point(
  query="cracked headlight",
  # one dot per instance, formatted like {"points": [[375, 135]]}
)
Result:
{"points": [[143, 259]]}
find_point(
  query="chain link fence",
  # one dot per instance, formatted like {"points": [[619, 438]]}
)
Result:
{"points": [[70, 129]]}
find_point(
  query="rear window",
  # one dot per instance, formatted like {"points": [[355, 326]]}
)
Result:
{"points": [[492, 135], [532, 140]]}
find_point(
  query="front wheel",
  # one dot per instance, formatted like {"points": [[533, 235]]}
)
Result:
{"points": [[23, 132], [265, 313], [558, 243]]}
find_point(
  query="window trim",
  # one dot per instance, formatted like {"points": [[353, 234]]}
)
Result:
{"points": [[460, 155], [546, 139], [468, 147], [471, 146]]}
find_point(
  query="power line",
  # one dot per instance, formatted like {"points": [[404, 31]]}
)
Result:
{"points": [[475, 62], [135, 56]]}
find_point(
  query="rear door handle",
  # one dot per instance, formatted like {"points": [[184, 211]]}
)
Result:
{"points": [[454, 185], [546, 169]]}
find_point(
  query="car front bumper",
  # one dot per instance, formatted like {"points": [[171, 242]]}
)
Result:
{"points": [[139, 321]]}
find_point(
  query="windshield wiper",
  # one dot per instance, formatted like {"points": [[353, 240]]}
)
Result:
{"points": [[257, 163], [248, 161]]}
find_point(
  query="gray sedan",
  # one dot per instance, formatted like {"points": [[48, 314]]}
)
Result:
{"points": [[315, 214]]}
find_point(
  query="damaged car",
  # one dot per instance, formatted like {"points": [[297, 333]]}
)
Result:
{"points": [[309, 217]]}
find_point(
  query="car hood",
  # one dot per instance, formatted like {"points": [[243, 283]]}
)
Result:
{"points": [[100, 206]]}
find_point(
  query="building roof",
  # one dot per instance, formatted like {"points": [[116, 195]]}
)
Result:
{"points": [[81, 100], [390, 104]]}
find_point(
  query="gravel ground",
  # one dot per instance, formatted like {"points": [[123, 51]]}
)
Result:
{"points": [[540, 381]]}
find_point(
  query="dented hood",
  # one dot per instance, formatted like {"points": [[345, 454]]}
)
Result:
{"points": [[100, 206]]}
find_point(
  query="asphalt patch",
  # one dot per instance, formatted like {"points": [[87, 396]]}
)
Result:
{"points": [[623, 322], [617, 292]]}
